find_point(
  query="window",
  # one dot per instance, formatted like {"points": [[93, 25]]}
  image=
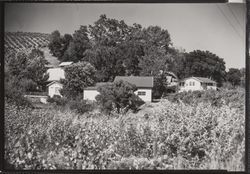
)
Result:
{"points": [[191, 83], [141, 93], [57, 90]]}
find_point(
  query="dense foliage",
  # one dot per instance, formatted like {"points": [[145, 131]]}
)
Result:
{"points": [[25, 72], [162, 135], [118, 97], [205, 64], [236, 76], [77, 77]]}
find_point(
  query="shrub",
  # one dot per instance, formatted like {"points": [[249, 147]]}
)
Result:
{"points": [[14, 93], [80, 106], [118, 96], [216, 98], [163, 135], [58, 100], [28, 85]]}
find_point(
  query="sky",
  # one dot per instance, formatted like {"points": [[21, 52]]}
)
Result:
{"points": [[218, 28]]}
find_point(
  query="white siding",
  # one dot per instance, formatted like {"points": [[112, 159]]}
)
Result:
{"points": [[191, 85], [212, 87], [54, 89], [148, 94], [90, 94]]}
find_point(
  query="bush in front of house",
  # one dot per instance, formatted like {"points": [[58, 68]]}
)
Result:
{"points": [[58, 100], [76, 104], [118, 96], [80, 106], [14, 93], [234, 96]]}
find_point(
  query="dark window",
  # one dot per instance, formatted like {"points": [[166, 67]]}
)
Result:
{"points": [[141, 93]]}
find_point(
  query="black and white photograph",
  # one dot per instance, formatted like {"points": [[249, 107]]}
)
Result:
{"points": [[124, 86]]}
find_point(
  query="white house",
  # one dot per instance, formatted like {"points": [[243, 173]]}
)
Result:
{"points": [[57, 73], [89, 93], [144, 87], [54, 88], [196, 83]]}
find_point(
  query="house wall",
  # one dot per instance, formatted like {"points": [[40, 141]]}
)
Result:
{"points": [[90, 94], [197, 86], [52, 89], [212, 87], [188, 87], [148, 94], [55, 74]]}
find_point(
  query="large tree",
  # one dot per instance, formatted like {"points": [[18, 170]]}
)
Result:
{"points": [[234, 76], [107, 61], [113, 51], [55, 44], [205, 64], [77, 76], [78, 45], [28, 69], [155, 42]]}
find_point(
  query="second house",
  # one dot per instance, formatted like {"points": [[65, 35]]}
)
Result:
{"points": [[144, 87]]}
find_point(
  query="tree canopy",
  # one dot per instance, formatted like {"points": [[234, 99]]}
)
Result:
{"points": [[28, 69], [204, 64], [115, 48], [77, 76]]}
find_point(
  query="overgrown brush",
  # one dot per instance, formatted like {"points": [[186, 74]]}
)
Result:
{"points": [[162, 135]]}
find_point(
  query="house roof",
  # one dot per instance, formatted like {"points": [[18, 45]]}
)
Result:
{"points": [[172, 74], [138, 81], [201, 79], [65, 63], [96, 86], [51, 83], [55, 74]]}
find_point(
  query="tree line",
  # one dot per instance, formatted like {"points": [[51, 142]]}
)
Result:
{"points": [[115, 48], [111, 48]]}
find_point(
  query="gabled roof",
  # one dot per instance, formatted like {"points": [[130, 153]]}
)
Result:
{"points": [[138, 81], [65, 63], [96, 86], [172, 74], [201, 79], [51, 83]]}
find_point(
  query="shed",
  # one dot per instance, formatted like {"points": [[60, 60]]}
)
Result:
{"points": [[54, 88]]}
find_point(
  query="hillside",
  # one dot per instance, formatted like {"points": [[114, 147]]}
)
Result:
{"points": [[26, 41]]}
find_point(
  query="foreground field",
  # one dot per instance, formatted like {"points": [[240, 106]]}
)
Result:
{"points": [[165, 135]]}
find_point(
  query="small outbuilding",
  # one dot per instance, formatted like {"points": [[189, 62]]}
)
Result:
{"points": [[54, 88], [89, 93], [196, 84]]}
